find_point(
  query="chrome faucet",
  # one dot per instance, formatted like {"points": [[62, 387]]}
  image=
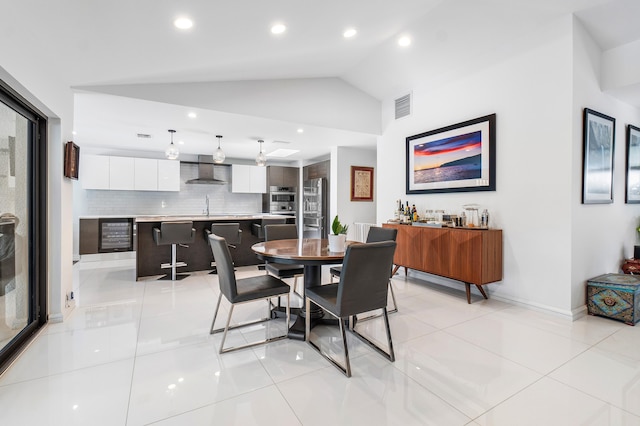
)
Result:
{"points": [[206, 199]]}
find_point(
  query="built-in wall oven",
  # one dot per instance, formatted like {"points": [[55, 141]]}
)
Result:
{"points": [[282, 200]]}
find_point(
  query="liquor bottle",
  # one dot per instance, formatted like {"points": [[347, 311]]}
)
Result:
{"points": [[484, 220], [414, 213]]}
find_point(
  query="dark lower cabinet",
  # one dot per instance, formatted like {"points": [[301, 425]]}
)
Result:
{"points": [[197, 255]]}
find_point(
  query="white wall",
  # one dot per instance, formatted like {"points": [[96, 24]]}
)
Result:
{"points": [[350, 212], [602, 234], [531, 94]]}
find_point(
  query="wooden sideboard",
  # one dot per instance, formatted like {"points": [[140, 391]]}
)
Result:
{"points": [[473, 256]]}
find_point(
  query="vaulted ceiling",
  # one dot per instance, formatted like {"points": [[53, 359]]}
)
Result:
{"points": [[134, 72]]}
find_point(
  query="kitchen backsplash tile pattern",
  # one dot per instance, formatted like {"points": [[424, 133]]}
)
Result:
{"points": [[189, 201]]}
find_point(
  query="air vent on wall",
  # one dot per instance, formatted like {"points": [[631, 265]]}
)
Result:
{"points": [[144, 135], [403, 106]]}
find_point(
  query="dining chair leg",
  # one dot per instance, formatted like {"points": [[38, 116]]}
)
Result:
{"points": [[295, 286], [393, 299], [389, 355], [346, 349], [288, 313], [392, 355], [226, 328], [307, 320], [260, 342], [346, 370], [215, 314]]}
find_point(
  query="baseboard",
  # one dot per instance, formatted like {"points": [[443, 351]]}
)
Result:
{"points": [[108, 256], [55, 318], [570, 315]]}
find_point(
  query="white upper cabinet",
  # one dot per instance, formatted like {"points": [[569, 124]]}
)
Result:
{"points": [[94, 172], [168, 175], [145, 174], [248, 179], [121, 173], [129, 174]]}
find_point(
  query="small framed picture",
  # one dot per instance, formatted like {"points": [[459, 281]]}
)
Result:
{"points": [[361, 183], [633, 165], [597, 162], [71, 160]]}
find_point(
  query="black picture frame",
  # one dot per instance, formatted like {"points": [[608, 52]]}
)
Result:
{"points": [[71, 160], [597, 160], [632, 175], [457, 158]]}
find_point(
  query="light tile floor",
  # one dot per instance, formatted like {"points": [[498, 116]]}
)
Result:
{"points": [[137, 353]]}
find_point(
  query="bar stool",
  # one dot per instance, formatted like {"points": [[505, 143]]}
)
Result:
{"points": [[174, 233], [231, 232]]}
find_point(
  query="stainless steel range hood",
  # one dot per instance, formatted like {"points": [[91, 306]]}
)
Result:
{"points": [[206, 172]]}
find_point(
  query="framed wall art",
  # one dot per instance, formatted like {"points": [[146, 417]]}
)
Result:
{"points": [[632, 181], [71, 160], [361, 183], [456, 158], [597, 161]]}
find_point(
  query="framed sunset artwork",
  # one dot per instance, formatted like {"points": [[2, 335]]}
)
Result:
{"points": [[456, 158]]}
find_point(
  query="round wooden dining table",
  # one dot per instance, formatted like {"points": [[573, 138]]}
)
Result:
{"points": [[312, 253]]}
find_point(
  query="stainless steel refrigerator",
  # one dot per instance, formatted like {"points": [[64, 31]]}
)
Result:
{"points": [[315, 208]]}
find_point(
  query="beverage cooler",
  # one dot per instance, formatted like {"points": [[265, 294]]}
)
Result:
{"points": [[315, 209]]}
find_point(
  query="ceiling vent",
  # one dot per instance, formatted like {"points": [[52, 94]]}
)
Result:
{"points": [[282, 142], [403, 106], [144, 136]]}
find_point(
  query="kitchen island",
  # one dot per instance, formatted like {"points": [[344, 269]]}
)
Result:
{"points": [[198, 257]]}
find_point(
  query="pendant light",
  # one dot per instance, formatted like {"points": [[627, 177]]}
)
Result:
{"points": [[261, 159], [218, 156], [172, 152]]}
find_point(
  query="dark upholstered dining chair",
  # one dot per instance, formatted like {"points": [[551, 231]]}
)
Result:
{"points": [[257, 229], [243, 290], [281, 270], [362, 288], [376, 234], [174, 233]]}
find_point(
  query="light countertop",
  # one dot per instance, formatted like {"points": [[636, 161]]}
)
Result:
{"points": [[203, 217]]}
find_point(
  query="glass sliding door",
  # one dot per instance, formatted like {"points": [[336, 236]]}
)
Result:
{"points": [[22, 212]]}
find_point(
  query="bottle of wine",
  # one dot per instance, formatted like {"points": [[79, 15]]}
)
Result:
{"points": [[414, 213]]}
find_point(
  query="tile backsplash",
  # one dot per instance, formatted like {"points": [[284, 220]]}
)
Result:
{"points": [[189, 201]]}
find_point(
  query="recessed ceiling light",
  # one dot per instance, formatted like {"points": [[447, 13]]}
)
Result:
{"points": [[181, 142], [301, 130], [73, 132], [278, 29], [183, 23], [404, 41], [192, 115], [350, 32]]}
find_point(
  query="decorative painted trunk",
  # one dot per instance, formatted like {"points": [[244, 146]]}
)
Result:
{"points": [[615, 296]]}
